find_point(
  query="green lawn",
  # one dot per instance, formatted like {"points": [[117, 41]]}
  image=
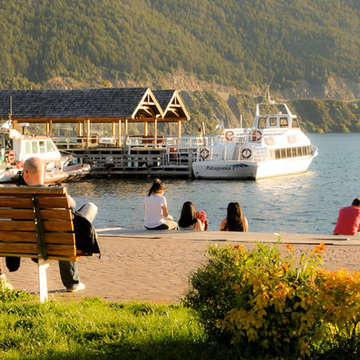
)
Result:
{"points": [[96, 329]]}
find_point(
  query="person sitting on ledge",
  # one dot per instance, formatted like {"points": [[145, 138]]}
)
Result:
{"points": [[348, 222], [156, 215], [188, 219], [235, 219]]}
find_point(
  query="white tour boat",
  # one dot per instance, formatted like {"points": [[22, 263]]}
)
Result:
{"points": [[16, 148], [275, 145]]}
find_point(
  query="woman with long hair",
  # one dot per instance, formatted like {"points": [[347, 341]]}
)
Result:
{"points": [[188, 219], [235, 219], [156, 216]]}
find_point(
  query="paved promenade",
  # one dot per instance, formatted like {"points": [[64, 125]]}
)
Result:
{"points": [[155, 266]]}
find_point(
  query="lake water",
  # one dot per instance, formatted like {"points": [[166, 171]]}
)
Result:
{"points": [[306, 203]]}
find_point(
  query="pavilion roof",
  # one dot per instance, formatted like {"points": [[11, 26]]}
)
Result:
{"points": [[97, 105], [171, 104]]}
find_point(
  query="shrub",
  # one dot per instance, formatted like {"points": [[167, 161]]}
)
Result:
{"points": [[258, 299]]}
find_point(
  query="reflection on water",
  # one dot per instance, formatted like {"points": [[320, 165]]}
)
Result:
{"points": [[305, 203]]}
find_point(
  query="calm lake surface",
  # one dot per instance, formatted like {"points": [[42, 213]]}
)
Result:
{"points": [[306, 203]]}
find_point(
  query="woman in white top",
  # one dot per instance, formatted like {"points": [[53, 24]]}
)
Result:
{"points": [[156, 211], [188, 219]]}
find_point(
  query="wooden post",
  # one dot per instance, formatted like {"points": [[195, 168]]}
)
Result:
{"points": [[119, 134], [88, 132], [79, 128], [145, 128], [179, 132], [113, 129], [155, 132], [50, 127], [47, 129]]}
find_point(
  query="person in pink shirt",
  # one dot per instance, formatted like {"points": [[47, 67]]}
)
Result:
{"points": [[348, 222]]}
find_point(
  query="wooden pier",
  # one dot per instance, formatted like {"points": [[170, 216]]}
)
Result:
{"points": [[119, 150], [137, 161]]}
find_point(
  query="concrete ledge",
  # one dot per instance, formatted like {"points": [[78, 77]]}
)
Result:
{"points": [[239, 237]]}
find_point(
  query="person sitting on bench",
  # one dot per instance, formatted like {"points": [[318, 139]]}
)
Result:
{"points": [[34, 175]]}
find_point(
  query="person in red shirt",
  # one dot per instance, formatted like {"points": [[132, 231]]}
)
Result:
{"points": [[348, 222]]}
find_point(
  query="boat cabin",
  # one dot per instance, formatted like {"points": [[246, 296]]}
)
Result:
{"points": [[278, 119]]}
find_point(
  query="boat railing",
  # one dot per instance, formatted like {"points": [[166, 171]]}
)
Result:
{"points": [[138, 141]]}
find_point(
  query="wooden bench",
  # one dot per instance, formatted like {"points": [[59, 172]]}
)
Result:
{"points": [[37, 222]]}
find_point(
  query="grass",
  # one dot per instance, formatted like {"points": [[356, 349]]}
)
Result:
{"points": [[96, 329]]}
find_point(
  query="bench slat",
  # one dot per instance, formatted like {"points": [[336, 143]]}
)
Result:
{"points": [[32, 249], [52, 225], [30, 237], [15, 202], [52, 257], [60, 214], [16, 214], [17, 225], [48, 202], [26, 190]]}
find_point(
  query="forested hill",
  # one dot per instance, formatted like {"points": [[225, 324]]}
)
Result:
{"points": [[305, 48], [236, 43]]}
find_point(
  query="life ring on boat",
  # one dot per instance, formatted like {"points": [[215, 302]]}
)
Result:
{"points": [[256, 135], [10, 157], [246, 153], [19, 164], [229, 135], [204, 153]]}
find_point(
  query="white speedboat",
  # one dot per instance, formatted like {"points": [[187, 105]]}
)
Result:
{"points": [[16, 148], [275, 145]]}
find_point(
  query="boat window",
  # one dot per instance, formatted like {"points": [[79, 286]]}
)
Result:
{"points": [[283, 153], [295, 123], [293, 152], [42, 146], [50, 147], [277, 154], [34, 147], [273, 122], [288, 152], [284, 122], [262, 123], [27, 147]]}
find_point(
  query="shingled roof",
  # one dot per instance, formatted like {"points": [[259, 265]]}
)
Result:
{"points": [[171, 104], [108, 104]]}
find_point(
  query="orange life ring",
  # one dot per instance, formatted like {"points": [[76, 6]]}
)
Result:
{"points": [[246, 153], [204, 153], [228, 135], [19, 164], [256, 135], [10, 157]]}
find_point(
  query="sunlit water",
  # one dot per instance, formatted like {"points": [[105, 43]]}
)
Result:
{"points": [[306, 203]]}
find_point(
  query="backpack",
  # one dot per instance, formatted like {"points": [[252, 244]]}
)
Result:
{"points": [[85, 235]]}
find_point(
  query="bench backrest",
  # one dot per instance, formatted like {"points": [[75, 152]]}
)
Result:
{"points": [[36, 222]]}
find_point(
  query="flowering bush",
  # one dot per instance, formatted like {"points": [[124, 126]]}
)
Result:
{"points": [[278, 305]]}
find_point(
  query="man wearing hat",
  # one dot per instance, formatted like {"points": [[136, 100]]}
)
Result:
{"points": [[348, 222]]}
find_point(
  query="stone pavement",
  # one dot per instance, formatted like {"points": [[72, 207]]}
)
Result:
{"points": [[155, 266]]}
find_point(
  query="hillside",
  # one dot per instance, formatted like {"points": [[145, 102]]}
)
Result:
{"points": [[221, 53]]}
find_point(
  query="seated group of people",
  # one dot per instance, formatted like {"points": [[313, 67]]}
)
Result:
{"points": [[157, 216]]}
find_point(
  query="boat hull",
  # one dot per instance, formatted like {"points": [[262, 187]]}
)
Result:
{"points": [[233, 169]]}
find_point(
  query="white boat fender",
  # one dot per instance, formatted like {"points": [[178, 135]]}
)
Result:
{"points": [[229, 135], [246, 153], [204, 153], [256, 135]]}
